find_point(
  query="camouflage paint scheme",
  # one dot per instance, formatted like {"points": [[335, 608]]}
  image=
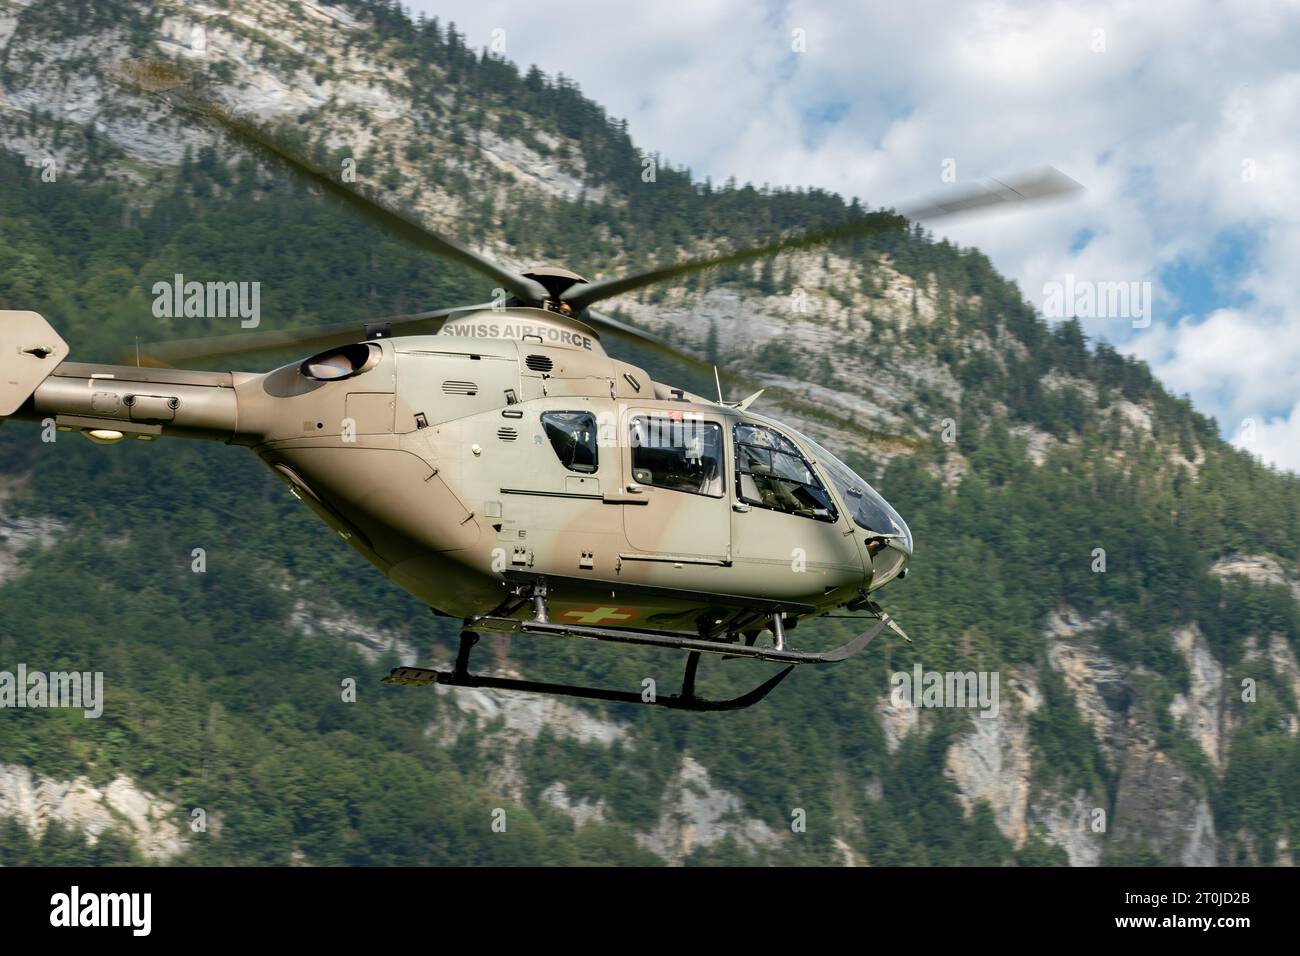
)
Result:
{"points": [[447, 484]]}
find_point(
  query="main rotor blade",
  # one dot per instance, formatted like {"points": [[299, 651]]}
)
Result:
{"points": [[583, 295], [1032, 186], [306, 340], [648, 340], [317, 338], [1035, 186], [736, 382], [314, 338], [155, 77]]}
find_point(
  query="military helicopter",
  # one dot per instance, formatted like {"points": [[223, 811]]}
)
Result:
{"points": [[496, 463]]}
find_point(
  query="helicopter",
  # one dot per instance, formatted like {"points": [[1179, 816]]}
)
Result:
{"points": [[495, 462]]}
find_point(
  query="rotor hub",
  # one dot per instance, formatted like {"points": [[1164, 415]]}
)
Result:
{"points": [[554, 280]]}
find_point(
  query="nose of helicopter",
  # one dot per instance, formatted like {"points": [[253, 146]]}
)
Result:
{"points": [[889, 561], [890, 551]]}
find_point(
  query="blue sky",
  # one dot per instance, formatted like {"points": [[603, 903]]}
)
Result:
{"points": [[1182, 120]]}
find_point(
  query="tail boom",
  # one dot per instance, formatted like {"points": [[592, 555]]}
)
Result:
{"points": [[108, 402]]}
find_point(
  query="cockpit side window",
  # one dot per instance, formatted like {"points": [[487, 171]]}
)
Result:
{"points": [[680, 454], [573, 437], [771, 473]]}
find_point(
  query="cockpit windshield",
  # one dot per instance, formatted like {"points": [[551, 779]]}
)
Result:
{"points": [[867, 508]]}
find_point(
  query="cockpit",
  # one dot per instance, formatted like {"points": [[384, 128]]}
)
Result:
{"points": [[891, 544]]}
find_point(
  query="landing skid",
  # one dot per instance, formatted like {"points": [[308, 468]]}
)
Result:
{"points": [[460, 676]]}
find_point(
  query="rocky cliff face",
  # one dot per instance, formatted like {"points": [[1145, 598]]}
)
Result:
{"points": [[20, 535], [148, 821]]}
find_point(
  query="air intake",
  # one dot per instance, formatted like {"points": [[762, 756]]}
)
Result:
{"points": [[539, 363], [459, 388], [507, 434]]}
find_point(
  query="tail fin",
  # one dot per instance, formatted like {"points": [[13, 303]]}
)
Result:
{"points": [[29, 351]]}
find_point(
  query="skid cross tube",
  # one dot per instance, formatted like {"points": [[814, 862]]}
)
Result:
{"points": [[460, 676]]}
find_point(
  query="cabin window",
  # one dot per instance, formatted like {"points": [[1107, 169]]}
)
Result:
{"points": [[679, 453], [771, 473], [573, 437]]}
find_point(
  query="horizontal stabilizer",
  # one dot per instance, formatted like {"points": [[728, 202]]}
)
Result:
{"points": [[30, 350]]}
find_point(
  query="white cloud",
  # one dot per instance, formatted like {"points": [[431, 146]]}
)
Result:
{"points": [[1184, 129], [1274, 440]]}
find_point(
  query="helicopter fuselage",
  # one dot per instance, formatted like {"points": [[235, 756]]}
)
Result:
{"points": [[512, 447]]}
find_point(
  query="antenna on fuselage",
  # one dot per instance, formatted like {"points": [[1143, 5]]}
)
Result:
{"points": [[717, 381]]}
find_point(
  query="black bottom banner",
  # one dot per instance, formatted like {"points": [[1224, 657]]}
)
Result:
{"points": [[337, 905]]}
